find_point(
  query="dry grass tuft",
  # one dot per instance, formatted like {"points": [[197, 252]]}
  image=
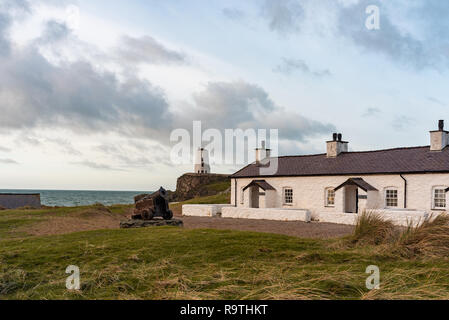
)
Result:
{"points": [[430, 238], [372, 229]]}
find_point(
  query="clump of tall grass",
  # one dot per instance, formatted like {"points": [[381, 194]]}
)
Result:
{"points": [[372, 229], [429, 238]]}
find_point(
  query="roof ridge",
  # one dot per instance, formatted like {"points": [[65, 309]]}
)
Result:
{"points": [[350, 152]]}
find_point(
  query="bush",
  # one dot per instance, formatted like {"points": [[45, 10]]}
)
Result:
{"points": [[372, 229], [430, 238]]}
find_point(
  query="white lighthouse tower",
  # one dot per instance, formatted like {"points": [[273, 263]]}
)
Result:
{"points": [[202, 161]]}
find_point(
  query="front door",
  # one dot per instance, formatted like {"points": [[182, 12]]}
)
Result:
{"points": [[351, 199], [254, 197]]}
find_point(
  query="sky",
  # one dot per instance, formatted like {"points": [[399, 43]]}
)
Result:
{"points": [[91, 91]]}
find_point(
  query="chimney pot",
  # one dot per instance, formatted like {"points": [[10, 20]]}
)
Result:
{"points": [[335, 137], [339, 137], [441, 125]]}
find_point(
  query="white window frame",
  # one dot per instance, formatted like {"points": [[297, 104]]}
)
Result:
{"points": [[326, 197], [434, 189], [386, 198], [284, 196]]}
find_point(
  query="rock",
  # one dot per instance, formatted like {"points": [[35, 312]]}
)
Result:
{"points": [[191, 185], [150, 223]]}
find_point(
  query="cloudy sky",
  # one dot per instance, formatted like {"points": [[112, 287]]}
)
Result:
{"points": [[91, 90]]}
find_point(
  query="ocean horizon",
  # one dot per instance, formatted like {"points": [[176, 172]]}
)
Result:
{"points": [[73, 198]]}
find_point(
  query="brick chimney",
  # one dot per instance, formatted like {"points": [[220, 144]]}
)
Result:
{"points": [[439, 139], [262, 153], [336, 146]]}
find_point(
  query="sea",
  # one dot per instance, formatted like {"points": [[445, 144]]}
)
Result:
{"points": [[72, 198]]}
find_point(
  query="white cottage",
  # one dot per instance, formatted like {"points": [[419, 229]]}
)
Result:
{"points": [[402, 183]]}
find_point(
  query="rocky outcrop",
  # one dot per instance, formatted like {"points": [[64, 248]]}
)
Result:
{"points": [[192, 185]]}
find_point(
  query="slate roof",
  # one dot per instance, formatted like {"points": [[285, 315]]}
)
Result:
{"points": [[389, 161], [359, 182], [261, 184]]}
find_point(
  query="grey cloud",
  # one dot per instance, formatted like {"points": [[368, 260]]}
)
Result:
{"points": [[371, 112], [95, 165], [233, 13], [4, 149], [8, 161], [429, 49], [389, 40], [125, 157], [4, 41], [54, 31], [290, 66], [402, 122], [243, 105], [231, 103], [147, 50], [283, 16], [27, 140], [436, 101], [65, 145], [77, 96]]}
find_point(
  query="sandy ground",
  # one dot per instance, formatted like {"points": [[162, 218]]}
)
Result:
{"points": [[97, 219]]}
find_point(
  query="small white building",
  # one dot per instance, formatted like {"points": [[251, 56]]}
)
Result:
{"points": [[403, 183], [202, 161]]}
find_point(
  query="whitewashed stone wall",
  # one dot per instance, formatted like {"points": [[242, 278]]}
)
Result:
{"points": [[309, 192], [404, 218], [203, 210], [266, 214], [338, 218], [398, 217]]}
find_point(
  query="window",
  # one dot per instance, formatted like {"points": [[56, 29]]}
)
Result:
{"points": [[439, 198], [242, 196], [288, 196], [391, 198], [330, 197]]}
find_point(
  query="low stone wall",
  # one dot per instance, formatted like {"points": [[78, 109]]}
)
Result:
{"points": [[266, 214], [403, 217], [338, 217], [203, 210], [398, 217], [14, 201]]}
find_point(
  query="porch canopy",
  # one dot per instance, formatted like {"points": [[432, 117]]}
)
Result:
{"points": [[359, 182], [261, 184]]}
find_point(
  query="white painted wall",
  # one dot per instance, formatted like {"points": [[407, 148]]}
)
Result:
{"points": [[203, 210], [398, 217], [266, 214], [309, 192]]}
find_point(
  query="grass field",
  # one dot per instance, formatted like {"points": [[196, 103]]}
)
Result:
{"points": [[175, 263]]}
